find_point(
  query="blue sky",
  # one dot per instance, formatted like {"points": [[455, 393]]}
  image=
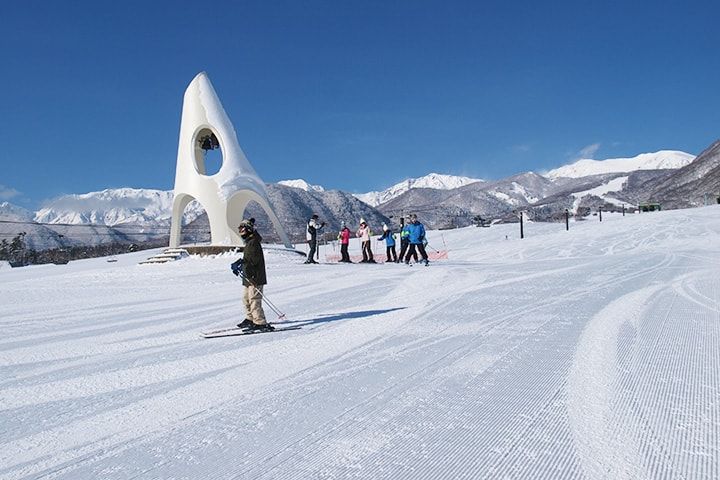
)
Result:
{"points": [[350, 95]]}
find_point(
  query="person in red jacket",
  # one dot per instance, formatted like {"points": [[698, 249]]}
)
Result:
{"points": [[344, 237]]}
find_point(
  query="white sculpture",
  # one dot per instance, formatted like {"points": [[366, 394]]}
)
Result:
{"points": [[225, 194]]}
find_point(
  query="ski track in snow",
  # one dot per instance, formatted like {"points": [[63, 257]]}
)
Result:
{"points": [[590, 354]]}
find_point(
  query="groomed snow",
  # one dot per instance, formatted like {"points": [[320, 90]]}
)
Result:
{"points": [[588, 353]]}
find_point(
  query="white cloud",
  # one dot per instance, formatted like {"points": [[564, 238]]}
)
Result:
{"points": [[588, 152], [7, 193]]}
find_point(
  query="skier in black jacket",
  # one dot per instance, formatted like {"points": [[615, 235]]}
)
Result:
{"points": [[252, 265], [312, 228]]}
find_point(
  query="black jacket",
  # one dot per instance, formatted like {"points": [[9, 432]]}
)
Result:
{"points": [[254, 261]]}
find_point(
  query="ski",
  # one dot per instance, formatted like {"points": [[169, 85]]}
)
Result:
{"points": [[235, 331]]}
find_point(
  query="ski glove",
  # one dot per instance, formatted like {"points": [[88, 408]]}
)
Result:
{"points": [[421, 238], [236, 267]]}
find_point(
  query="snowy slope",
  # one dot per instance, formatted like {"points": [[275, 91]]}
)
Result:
{"points": [[588, 353], [602, 191], [664, 159]]}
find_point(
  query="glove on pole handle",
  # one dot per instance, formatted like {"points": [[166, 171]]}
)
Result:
{"points": [[265, 299]]}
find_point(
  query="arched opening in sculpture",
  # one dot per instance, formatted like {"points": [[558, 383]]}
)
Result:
{"points": [[195, 228], [253, 209]]}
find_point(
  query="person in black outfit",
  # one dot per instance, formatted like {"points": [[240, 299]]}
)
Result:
{"points": [[252, 266], [312, 228]]}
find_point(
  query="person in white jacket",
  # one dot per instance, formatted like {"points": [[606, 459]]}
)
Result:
{"points": [[364, 234], [312, 228]]}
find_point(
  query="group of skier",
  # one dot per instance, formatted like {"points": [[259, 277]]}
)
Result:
{"points": [[251, 267], [412, 241]]}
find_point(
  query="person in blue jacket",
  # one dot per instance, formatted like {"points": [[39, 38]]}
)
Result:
{"points": [[389, 238], [404, 242], [416, 238]]}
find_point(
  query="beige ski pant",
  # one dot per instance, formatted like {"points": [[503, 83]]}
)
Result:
{"points": [[252, 300]]}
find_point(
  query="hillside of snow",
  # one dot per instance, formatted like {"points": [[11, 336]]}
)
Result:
{"points": [[590, 353], [602, 191], [664, 159]]}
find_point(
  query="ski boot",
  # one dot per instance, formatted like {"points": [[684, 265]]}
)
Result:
{"points": [[245, 323], [254, 327]]}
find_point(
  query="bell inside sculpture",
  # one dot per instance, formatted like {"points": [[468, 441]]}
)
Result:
{"points": [[209, 142]]}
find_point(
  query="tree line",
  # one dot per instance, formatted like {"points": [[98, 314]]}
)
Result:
{"points": [[16, 253]]}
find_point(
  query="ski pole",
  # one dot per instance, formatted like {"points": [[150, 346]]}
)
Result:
{"points": [[427, 244], [265, 299]]}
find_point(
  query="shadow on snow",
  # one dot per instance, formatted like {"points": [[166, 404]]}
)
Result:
{"points": [[343, 316]]}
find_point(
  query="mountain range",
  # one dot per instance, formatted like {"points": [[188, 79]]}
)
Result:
{"points": [[673, 178]]}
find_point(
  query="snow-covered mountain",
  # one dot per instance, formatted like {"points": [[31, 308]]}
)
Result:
{"points": [[302, 185], [436, 181], [695, 184], [14, 212], [443, 201], [664, 159], [124, 215], [114, 207]]}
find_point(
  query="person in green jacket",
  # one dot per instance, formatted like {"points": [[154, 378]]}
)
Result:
{"points": [[252, 266]]}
